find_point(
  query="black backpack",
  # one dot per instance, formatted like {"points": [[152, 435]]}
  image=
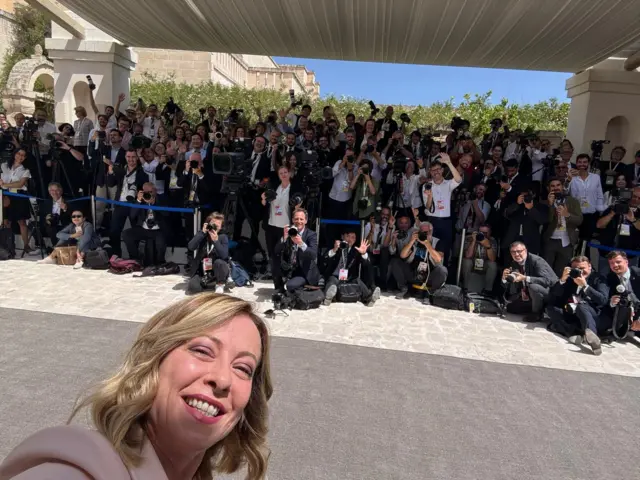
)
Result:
{"points": [[450, 297], [7, 243], [308, 299], [96, 259], [483, 304]]}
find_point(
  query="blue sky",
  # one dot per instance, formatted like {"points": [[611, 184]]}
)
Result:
{"points": [[424, 84]]}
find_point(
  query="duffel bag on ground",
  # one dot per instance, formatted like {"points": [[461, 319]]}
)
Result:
{"points": [[96, 259], [483, 304], [348, 292], [120, 266], [450, 297], [308, 299]]}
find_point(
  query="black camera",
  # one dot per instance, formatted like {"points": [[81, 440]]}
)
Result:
{"points": [[504, 179], [365, 169], [621, 208], [151, 222], [363, 203], [202, 111], [281, 301], [146, 196], [511, 278], [402, 234], [405, 118], [212, 227], [422, 236], [292, 232], [428, 186], [480, 237], [139, 142], [575, 273], [270, 195], [194, 164], [296, 199], [370, 148], [292, 99], [350, 158], [344, 245], [528, 197], [102, 134], [374, 110], [92, 86], [560, 198]]}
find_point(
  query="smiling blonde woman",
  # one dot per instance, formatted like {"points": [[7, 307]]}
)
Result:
{"points": [[189, 402]]}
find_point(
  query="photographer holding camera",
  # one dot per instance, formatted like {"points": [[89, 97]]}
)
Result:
{"points": [[480, 257], [623, 307], [366, 191], [210, 266], [127, 180], [294, 259], [148, 225], [387, 125], [525, 217], [560, 236], [419, 262], [619, 226], [55, 212], [348, 272], [527, 282], [575, 303], [609, 169]]}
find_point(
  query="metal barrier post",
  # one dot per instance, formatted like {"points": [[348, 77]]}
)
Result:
{"points": [[318, 230], [462, 237], [93, 209], [1, 209], [584, 248], [361, 230]]}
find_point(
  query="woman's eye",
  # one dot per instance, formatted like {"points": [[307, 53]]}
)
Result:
{"points": [[201, 350], [247, 370]]}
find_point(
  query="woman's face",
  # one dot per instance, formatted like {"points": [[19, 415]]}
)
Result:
{"points": [[66, 130], [293, 161], [240, 132], [369, 126], [201, 130], [179, 133], [77, 218], [205, 384], [621, 181], [160, 149], [283, 174], [162, 132], [20, 157]]}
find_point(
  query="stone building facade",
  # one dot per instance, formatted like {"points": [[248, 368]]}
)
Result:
{"points": [[251, 71]]}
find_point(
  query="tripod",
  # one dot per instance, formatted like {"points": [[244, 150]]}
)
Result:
{"points": [[396, 199]]}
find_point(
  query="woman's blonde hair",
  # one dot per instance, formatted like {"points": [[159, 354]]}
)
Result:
{"points": [[120, 404]]}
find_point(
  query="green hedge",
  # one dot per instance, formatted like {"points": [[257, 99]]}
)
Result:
{"points": [[546, 115]]}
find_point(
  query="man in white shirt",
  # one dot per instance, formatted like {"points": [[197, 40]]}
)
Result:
{"points": [[587, 189], [44, 128], [437, 201], [151, 122]]}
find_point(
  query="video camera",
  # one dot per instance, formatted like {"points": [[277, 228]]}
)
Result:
{"points": [[235, 169], [374, 110], [596, 150], [170, 110], [622, 199], [139, 142], [405, 118]]}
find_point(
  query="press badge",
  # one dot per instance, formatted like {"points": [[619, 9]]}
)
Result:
{"points": [[207, 264], [625, 230], [278, 210], [376, 251], [440, 205], [478, 264], [611, 177], [422, 267], [343, 274], [584, 203], [345, 186]]}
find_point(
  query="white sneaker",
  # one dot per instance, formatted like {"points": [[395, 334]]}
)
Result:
{"points": [[47, 261], [219, 288], [78, 265]]}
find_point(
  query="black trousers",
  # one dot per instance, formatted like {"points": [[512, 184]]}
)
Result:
{"points": [[218, 276], [118, 221], [403, 274], [585, 316], [365, 292], [272, 235], [443, 231], [382, 262], [253, 215], [155, 245]]}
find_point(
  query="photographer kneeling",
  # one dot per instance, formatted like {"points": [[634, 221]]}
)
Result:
{"points": [[480, 254], [294, 260], [210, 267], [148, 225], [575, 302], [344, 276], [624, 286], [527, 282]]}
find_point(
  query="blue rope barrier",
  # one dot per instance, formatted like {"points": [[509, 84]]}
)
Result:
{"points": [[81, 199], [20, 195], [635, 253], [339, 222], [145, 207]]}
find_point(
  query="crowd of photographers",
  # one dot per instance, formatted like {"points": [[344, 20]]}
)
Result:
{"points": [[508, 203]]}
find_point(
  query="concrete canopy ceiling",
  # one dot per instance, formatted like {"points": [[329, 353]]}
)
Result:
{"points": [[557, 35]]}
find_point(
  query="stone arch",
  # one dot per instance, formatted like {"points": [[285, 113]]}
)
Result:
{"points": [[617, 131], [19, 95]]}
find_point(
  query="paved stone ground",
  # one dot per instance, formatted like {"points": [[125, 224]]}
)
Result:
{"points": [[391, 324]]}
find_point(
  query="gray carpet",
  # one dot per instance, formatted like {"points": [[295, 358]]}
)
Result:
{"points": [[344, 412]]}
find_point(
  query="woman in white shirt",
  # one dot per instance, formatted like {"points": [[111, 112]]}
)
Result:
{"points": [[14, 177], [279, 209]]}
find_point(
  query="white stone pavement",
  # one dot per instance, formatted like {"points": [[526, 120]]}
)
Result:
{"points": [[391, 324]]}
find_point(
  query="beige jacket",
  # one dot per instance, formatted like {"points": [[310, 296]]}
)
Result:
{"points": [[75, 453]]}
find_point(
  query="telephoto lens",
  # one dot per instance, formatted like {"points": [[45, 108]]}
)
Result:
{"points": [[511, 278], [194, 163], [350, 159], [427, 186], [292, 232], [480, 237]]}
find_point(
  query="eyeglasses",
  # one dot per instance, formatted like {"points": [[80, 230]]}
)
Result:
{"points": [[518, 252], [76, 216]]}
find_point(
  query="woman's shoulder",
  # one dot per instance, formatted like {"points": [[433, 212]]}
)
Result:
{"points": [[75, 447]]}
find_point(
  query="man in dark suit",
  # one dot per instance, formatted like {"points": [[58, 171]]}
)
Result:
{"points": [[575, 303], [527, 282], [210, 266], [623, 281], [149, 225], [514, 184], [347, 263], [295, 256], [109, 156], [55, 213], [525, 216]]}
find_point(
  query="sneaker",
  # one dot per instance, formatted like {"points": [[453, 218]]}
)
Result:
{"points": [[402, 294], [594, 341], [219, 289], [78, 265], [47, 261], [426, 301], [330, 295], [576, 340], [375, 296]]}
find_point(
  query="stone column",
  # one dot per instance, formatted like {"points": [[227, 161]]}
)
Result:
{"points": [[605, 105], [107, 61]]}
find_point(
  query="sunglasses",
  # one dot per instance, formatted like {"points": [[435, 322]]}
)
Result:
{"points": [[76, 216]]}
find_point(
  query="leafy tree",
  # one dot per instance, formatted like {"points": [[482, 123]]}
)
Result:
{"points": [[30, 29], [478, 109]]}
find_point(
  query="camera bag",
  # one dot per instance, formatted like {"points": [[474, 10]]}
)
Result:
{"points": [[484, 304], [308, 299], [449, 297], [348, 292], [96, 259], [7, 243]]}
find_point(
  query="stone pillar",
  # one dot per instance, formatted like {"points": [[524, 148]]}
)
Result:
{"points": [[605, 105], [107, 61]]}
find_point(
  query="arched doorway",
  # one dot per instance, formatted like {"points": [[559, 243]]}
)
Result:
{"points": [[617, 133], [43, 88]]}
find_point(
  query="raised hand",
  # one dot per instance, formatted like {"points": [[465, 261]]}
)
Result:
{"points": [[362, 249]]}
